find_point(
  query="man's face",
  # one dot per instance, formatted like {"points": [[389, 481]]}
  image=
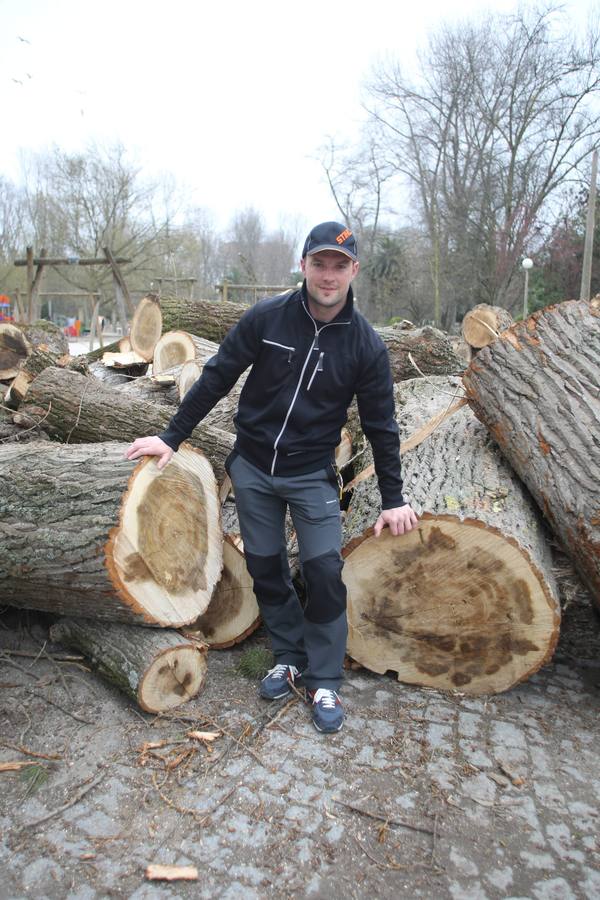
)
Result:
{"points": [[328, 276]]}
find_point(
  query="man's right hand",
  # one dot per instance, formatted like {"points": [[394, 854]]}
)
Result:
{"points": [[150, 446]]}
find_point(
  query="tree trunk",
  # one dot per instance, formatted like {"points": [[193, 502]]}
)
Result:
{"points": [[158, 669], [482, 324], [14, 350], [232, 613], [85, 532], [146, 327], [429, 348], [80, 410], [467, 600], [205, 318], [537, 389]]}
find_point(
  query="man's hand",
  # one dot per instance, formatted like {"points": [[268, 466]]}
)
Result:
{"points": [[399, 520], [150, 446]]}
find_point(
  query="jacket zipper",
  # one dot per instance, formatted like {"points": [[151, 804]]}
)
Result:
{"points": [[315, 343], [290, 350], [317, 368]]}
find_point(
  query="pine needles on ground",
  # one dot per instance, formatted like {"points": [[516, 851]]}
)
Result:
{"points": [[255, 663]]}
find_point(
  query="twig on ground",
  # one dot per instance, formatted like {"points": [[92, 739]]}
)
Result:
{"points": [[78, 796], [380, 818], [30, 752], [200, 817]]}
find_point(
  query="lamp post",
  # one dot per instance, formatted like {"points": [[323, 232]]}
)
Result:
{"points": [[526, 265]]}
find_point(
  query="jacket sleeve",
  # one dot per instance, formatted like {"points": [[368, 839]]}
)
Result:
{"points": [[375, 397], [238, 351]]}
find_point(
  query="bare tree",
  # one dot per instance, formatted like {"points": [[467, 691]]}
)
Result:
{"points": [[492, 129]]}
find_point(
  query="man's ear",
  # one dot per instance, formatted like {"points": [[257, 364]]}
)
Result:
{"points": [[303, 266], [355, 268]]}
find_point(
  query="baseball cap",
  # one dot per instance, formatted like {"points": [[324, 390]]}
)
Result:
{"points": [[331, 236]]}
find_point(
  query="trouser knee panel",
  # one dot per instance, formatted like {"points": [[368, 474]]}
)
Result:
{"points": [[326, 592]]}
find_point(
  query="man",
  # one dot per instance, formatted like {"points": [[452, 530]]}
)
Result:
{"points": [[310, 353]]}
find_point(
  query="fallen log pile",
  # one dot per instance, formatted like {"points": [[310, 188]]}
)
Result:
{"points": [[465, 602]]}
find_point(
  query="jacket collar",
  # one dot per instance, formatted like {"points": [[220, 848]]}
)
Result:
{"points": [[344, 316]]}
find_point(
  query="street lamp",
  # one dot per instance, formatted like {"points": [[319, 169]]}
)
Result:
{"points": [[526, 265]]}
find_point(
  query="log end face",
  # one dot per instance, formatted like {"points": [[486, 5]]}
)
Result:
{"points": [[174, 677], [450, 605], [165, 556]]}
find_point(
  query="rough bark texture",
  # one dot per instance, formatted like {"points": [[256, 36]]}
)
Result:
{"points": [[467, 601], [430, 349], [537, 389], [158, 669], [81, 410], [205, 318], [80, 537]]}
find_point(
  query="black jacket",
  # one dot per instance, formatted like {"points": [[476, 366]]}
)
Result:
{"points": [[304, 376]]}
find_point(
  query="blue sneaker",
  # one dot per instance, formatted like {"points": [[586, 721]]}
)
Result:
{"points": [[327, 710], [276, 683]]}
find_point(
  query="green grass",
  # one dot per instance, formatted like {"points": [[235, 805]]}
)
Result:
{"points": [[255, 663], [34, 777]]}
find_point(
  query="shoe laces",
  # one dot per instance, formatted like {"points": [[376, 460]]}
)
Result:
{"points": [[281, 671], [325, 697]]}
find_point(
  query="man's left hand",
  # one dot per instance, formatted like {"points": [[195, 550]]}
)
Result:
{"points": [[399, 520]]}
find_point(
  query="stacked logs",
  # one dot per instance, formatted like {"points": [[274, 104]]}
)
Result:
{"points": [[465, 602]]}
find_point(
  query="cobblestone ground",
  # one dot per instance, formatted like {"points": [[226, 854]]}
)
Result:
{"points": [[421, 795]]}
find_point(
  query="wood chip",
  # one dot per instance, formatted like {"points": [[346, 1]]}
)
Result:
{"points": [[16, 766], [156, 872], [204, 735]]}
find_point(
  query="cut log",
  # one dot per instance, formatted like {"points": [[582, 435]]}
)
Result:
{"points": [[206, 318], [430, 349], [35, 363], [232, 613], [537, 389], [86, 533], [178, 347], [482, 324], [158, 669], [161, 389], [14, 350], [80, 410], [146, 327], [467, 601], [188, 374], [107, 375]]}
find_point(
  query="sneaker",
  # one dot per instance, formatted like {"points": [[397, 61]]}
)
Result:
{"points": [[277, 681], [327, 710]]}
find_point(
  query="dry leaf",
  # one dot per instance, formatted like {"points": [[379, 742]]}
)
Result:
{"points": [[171, 873]]}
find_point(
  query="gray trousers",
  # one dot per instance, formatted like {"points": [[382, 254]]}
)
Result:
{"points": [[313, 639]]}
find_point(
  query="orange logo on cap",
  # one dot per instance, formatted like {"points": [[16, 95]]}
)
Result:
{"points": [[346, 233]]}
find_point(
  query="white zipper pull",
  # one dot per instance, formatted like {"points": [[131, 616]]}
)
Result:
{"points": [[317, 368]]}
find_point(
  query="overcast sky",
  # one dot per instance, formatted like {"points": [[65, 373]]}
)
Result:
{"points": [[233, 98]]}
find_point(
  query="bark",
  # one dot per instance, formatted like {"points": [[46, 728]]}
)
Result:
{"points": [[80, 410], [158, 669], [429, 348], [204, 318], [482, 324], [467, 600], [85, 532], [34, 364], [537, 389]]}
